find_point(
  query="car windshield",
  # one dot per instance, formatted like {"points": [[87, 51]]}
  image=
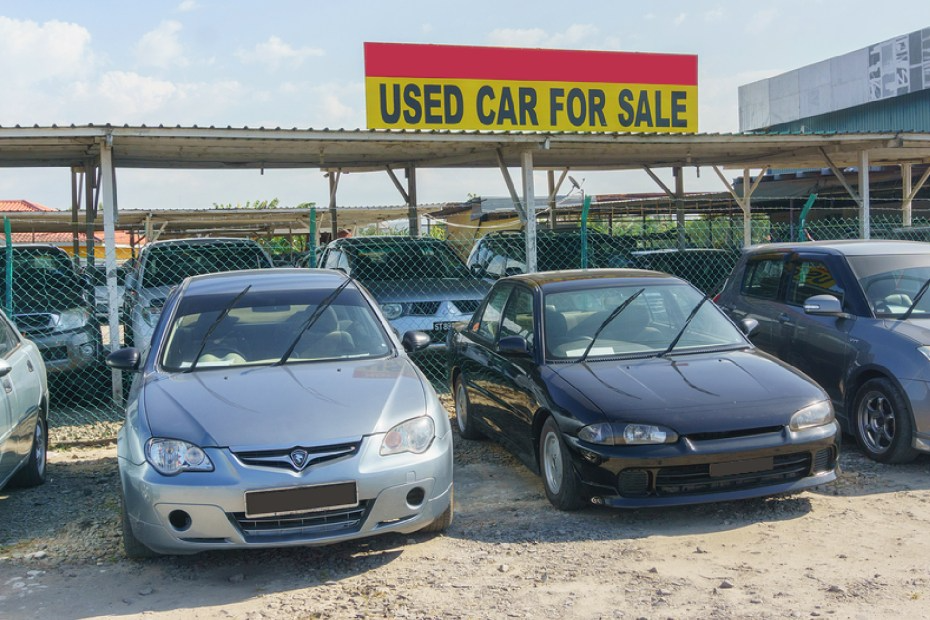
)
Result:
{"points": [[392, 260], [42, 280], [647, 326], [170, 264], [891, 283], [261, 325], [559, 251]]}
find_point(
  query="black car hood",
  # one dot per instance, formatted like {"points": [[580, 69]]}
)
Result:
{"points": [[704, 393]]}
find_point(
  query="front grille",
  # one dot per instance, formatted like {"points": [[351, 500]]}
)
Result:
{"points": [[424, 308], [696, 479], [747, 432], [282, 459], [467, 306], [304, 525], [38, 323]]}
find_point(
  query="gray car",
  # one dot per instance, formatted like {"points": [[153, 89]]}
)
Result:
{"points": [[855, 317], [276, 408]]}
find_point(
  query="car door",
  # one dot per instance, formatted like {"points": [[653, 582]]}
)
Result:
{"points": [[817, 345], [15, 412], [758, 293]]}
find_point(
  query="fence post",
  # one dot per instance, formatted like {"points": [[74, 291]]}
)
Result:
{"points": [[585, 207], [311, 233], [8, 272]]}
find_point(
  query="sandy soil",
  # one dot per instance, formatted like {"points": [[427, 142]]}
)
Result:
{"points": [[857, 548]]}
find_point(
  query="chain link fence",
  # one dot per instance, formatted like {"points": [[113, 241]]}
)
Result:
{"points": [[427, 283]]}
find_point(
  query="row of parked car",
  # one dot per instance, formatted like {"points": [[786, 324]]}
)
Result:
{"points": [[279, 407]]}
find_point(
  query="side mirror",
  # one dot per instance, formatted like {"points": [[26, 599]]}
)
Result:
{"points": [[513, 345], [513, 271], [749, 326], [5, 368], [125, 359], [823, 305], [415, 341], [477, 270]]}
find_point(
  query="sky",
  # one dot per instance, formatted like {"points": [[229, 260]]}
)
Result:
{"points": [[299, 63]]}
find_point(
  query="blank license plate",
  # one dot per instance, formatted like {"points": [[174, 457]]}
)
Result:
{"points": [[300, 499], [741, 467]]}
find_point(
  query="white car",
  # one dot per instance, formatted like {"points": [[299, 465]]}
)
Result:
{"points": [[23, 409]]}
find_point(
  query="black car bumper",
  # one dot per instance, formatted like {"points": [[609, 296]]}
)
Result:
{"points": [[695, 472]]}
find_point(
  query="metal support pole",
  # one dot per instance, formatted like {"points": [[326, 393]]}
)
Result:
{"points": [[529, 207], [680, 206], [550, 183], [413, 217], [311, 237], [908, 201], [865, 211], [90, 210], [108, 196], [747, 207], [333, 186], [75, 219]]}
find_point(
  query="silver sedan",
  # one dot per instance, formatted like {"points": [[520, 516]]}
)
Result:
{"points": [[276, 408]]}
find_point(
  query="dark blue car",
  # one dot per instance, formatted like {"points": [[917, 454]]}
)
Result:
{"points": [[629, 388]]}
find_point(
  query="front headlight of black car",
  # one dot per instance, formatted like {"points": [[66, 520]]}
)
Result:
{"points": [[172, 456], [626, 434], [817, 414]]}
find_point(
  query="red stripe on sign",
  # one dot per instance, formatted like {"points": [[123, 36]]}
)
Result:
{"points": [[401, 60]]}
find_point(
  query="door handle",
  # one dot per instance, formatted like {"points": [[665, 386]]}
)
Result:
{"points": [[29, 366], [784, 318]]}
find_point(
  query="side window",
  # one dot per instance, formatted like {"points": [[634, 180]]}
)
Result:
{"points": [[8, 339], [332, 259], [809, 278], [762, 277], [487, 325], [518, 316], [497, 265]]}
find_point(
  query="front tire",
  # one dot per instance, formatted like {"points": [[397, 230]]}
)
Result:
{"points": [[443, 521], [555, 465], [33, 473], [882, 424], [463, 412]]}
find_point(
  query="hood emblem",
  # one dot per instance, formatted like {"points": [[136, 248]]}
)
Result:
{"points": [[299, 458]]}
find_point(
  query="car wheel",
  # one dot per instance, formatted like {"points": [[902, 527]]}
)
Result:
{"points": [[882, 425], [132, 546], [33, 474], [443, 521], [463, 412], [555, 465]]}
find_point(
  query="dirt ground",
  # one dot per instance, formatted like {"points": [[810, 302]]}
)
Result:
{"points": [[857, 548]]}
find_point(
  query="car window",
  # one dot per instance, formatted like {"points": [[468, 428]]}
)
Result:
{"points": [[400, 260], [169, 265], [891, 282], [487, 323], [762, 278], [8, 339], [809, 278], [518, 316]]}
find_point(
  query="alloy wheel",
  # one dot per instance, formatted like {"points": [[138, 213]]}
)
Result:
{"points": [[876, 421], [552, 462]]}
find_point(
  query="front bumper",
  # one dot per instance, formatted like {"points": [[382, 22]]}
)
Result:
{"points": [[69, 351], [714, 470], [917, 393], [202, 511]]}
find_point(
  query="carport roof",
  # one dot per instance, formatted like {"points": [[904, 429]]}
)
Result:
{"points": [[367, 150]]}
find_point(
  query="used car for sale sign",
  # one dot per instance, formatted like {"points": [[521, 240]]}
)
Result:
{"points": [[513, 89]]}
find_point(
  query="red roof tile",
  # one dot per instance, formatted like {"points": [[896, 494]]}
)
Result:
{"points": [[22, 205]]}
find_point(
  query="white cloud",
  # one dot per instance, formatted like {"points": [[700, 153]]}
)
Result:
{"points": [[714, 15], [187, 6], [680, 18], [426, 28], [575, 36], [31, 53], [760, 21], [161, 47], [274, 52]]}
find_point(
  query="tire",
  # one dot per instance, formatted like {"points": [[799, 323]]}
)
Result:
{"points": [[443, 521], [132, 546], [33, 473], [555, 467], [882, 424], [463, 412]]}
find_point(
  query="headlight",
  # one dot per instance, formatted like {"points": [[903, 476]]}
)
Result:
{"points": [[925, 350], [172, 456], [414, 435], [72, 319], [817, 414], [622, 434], [392, 311]]}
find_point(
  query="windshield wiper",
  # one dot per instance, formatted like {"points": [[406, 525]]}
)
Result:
{"points": [[219, 319], [920, 293], [316, 314], [616, 312], [681, 332]]}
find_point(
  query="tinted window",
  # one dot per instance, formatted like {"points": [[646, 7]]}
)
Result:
{"points": [[518, 316], [762, 277], [488, 324], [399, 260], [809, 278]]}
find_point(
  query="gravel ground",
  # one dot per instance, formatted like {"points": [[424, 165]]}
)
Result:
{"points": [[856, 548]]}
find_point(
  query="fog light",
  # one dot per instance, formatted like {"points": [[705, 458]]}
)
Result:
{"points": [[179, 520], [416, 496], [88, 349]]}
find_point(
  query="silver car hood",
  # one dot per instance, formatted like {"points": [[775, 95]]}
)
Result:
{"points": [[298, 404], [427, 289]]}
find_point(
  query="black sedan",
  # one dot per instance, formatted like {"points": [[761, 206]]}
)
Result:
{"points": [[630, 388]]}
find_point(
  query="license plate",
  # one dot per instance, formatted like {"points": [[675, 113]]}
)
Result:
{"points": [[741, 467], [294, 500], [443, 326]]}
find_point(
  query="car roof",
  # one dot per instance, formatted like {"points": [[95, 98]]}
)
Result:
{"points": [[202, 241], [847, 247], [275, 279], [541, 279], [380, 239]]}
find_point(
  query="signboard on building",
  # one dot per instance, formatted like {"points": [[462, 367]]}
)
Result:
{"points": [[512, 89]]}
